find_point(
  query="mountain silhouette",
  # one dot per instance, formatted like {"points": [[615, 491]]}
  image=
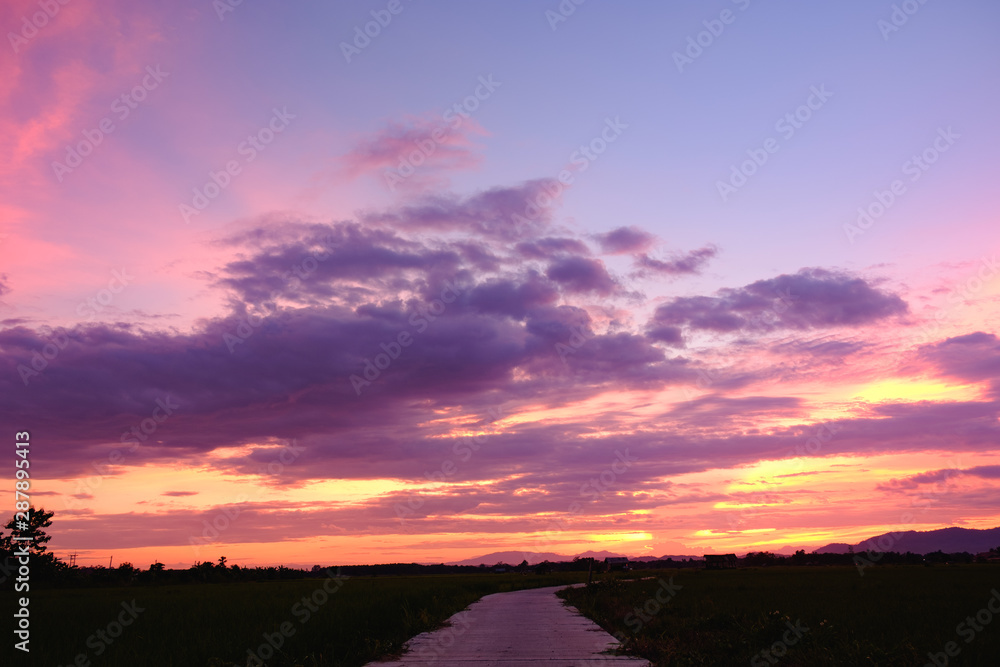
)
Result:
{"points": [[949, 540]]}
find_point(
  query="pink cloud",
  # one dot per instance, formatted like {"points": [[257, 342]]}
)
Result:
{"points": [[49, 95], [414, 154]]}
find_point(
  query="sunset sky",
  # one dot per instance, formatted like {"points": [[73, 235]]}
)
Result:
{"points": [[656, 278]]}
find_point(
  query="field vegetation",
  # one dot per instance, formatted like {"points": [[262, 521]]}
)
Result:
{"points": [[222, 624], [894, 615]]}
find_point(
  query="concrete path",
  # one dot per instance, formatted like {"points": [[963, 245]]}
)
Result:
{"points": [[531, 627]]}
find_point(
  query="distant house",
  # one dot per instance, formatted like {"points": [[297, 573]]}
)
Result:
{"points": [[616, 563], [720, 562]]}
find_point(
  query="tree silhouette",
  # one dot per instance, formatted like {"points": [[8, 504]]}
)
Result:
{"points": [[44, 565], [37, 521]]}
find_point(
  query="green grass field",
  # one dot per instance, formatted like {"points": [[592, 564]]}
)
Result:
{"points": [[891, 616], [214, 624]]}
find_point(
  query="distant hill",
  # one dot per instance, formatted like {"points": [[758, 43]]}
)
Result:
{"points": [[536, 557], [948, 540], [513, 558]]}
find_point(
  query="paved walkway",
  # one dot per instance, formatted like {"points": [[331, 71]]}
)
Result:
{"points": [[531, 627]]}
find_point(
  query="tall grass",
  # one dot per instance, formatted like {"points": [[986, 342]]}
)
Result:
{"points": [[894, 615], [215, 624]]}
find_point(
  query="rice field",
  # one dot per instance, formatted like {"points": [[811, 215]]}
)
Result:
{"points": [[786, 616], [805, 616]]}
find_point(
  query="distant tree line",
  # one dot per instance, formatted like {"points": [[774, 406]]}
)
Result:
{"points": [[47, 570], [766, 558]]}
